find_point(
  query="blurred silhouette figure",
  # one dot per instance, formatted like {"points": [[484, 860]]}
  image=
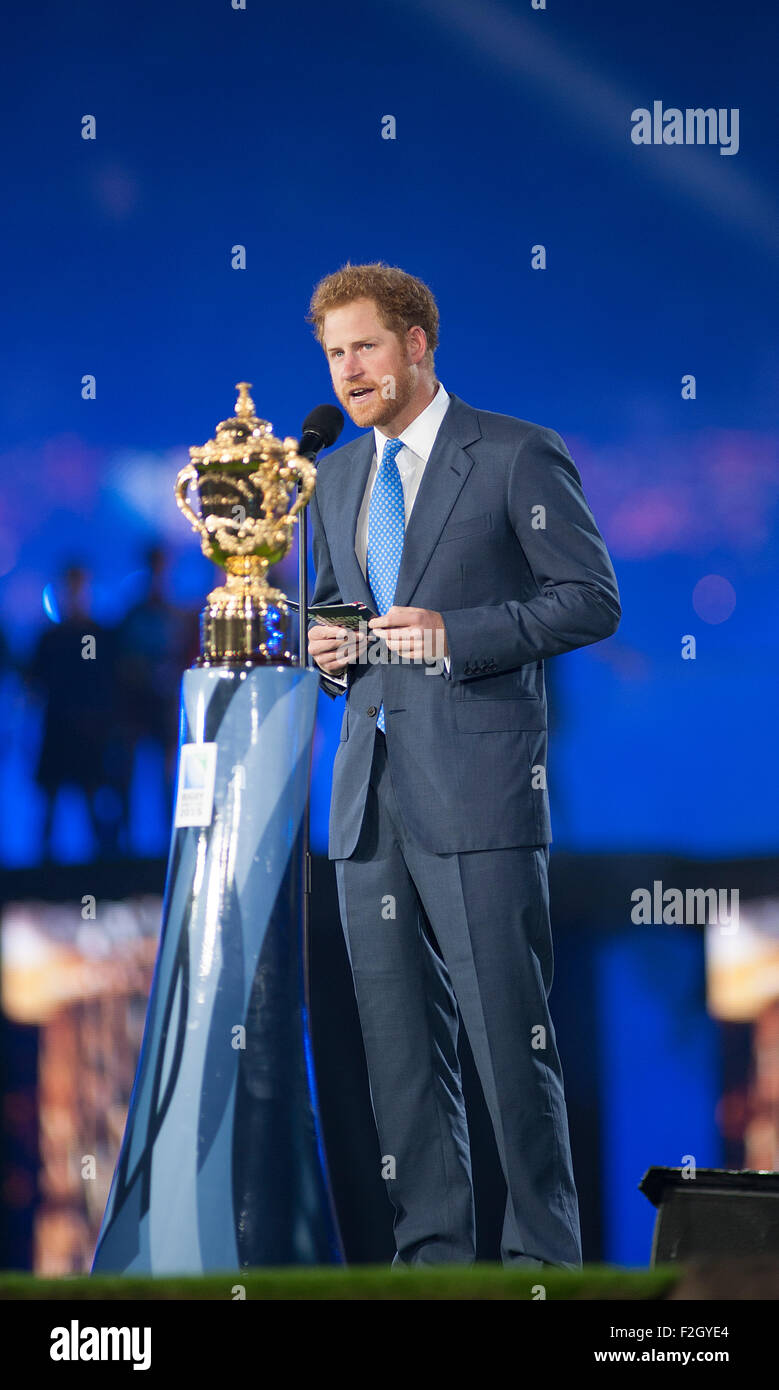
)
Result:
{"points": [[156, 640], [71, 669], [7, 662]]}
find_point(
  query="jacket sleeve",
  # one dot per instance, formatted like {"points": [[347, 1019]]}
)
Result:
{"points": [[325, 589], [577, 599]]}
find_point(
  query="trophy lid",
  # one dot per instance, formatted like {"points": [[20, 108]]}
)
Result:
{"points": [[243, 438]]}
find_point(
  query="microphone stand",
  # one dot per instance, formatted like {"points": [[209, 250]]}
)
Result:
{"points": [[303, 660], [306, 824]]}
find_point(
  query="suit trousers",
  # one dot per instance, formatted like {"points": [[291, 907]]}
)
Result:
{"points": [[426, 933]]}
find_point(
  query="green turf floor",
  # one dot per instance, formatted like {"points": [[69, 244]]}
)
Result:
{"points": [[480, 1281]]}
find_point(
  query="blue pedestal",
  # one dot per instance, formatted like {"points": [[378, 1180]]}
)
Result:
{"points": [[222, 1165]]}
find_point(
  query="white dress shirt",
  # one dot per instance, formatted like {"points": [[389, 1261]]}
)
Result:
{"points": [[418, 440]]}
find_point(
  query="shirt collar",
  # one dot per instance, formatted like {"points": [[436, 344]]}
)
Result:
{"points": [[420, 435]]}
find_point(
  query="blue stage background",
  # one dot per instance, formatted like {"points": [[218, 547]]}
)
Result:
{"points": [[263, 128]]}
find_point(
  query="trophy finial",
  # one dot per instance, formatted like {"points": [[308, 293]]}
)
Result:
{"points": [[244, 406]]}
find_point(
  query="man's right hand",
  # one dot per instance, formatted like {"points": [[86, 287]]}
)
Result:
{"points": [[334, 648]]}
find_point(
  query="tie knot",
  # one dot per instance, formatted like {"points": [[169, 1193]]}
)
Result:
{"points": [[391, 449]]}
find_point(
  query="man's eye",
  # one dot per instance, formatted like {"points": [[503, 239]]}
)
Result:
{"points": [[369, 345]]}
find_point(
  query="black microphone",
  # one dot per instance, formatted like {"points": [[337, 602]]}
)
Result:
{"points": [[320, 429]]}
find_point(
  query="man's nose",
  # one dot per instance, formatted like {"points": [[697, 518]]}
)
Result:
{"points": [[351, 367]]}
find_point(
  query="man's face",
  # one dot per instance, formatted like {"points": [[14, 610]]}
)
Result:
{"points": [[372, 375]]}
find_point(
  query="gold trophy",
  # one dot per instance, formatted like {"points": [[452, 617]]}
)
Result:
{"points": [[244, 478]]}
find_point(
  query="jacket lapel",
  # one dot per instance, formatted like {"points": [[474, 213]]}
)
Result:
{"points": [[445, 472], [353, 480]]}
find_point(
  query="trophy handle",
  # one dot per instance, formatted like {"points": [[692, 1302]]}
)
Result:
{"points": [[305, 472], [186, 476]]}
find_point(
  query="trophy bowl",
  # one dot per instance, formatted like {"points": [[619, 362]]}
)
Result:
{"points": [[249, 487]]}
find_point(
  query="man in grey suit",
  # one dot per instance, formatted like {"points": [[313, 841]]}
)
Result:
{"points": [[469, 534]]}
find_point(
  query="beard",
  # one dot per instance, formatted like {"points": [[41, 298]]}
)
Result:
{"points": [[377, 409]]}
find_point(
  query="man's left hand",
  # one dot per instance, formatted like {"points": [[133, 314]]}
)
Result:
{"points": [[415, 633]]}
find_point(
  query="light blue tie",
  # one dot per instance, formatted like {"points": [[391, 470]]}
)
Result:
{"points": [[386, 532]]}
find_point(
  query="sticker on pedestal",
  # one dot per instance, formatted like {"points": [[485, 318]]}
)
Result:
{"points": [[197, 774]]}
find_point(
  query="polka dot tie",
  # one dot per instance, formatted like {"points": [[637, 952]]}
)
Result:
{"points": [[386, 532]]}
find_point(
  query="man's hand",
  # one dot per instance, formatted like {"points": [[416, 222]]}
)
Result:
{"points": [[415, 633], [333, 648]]}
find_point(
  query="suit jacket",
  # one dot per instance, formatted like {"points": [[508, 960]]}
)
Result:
{"points": [[502, 543]]}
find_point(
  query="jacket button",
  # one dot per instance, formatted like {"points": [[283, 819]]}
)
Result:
{"points": [[372, 710]]}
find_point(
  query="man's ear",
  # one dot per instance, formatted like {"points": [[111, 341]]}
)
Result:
{"points": [[416, 335]]}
